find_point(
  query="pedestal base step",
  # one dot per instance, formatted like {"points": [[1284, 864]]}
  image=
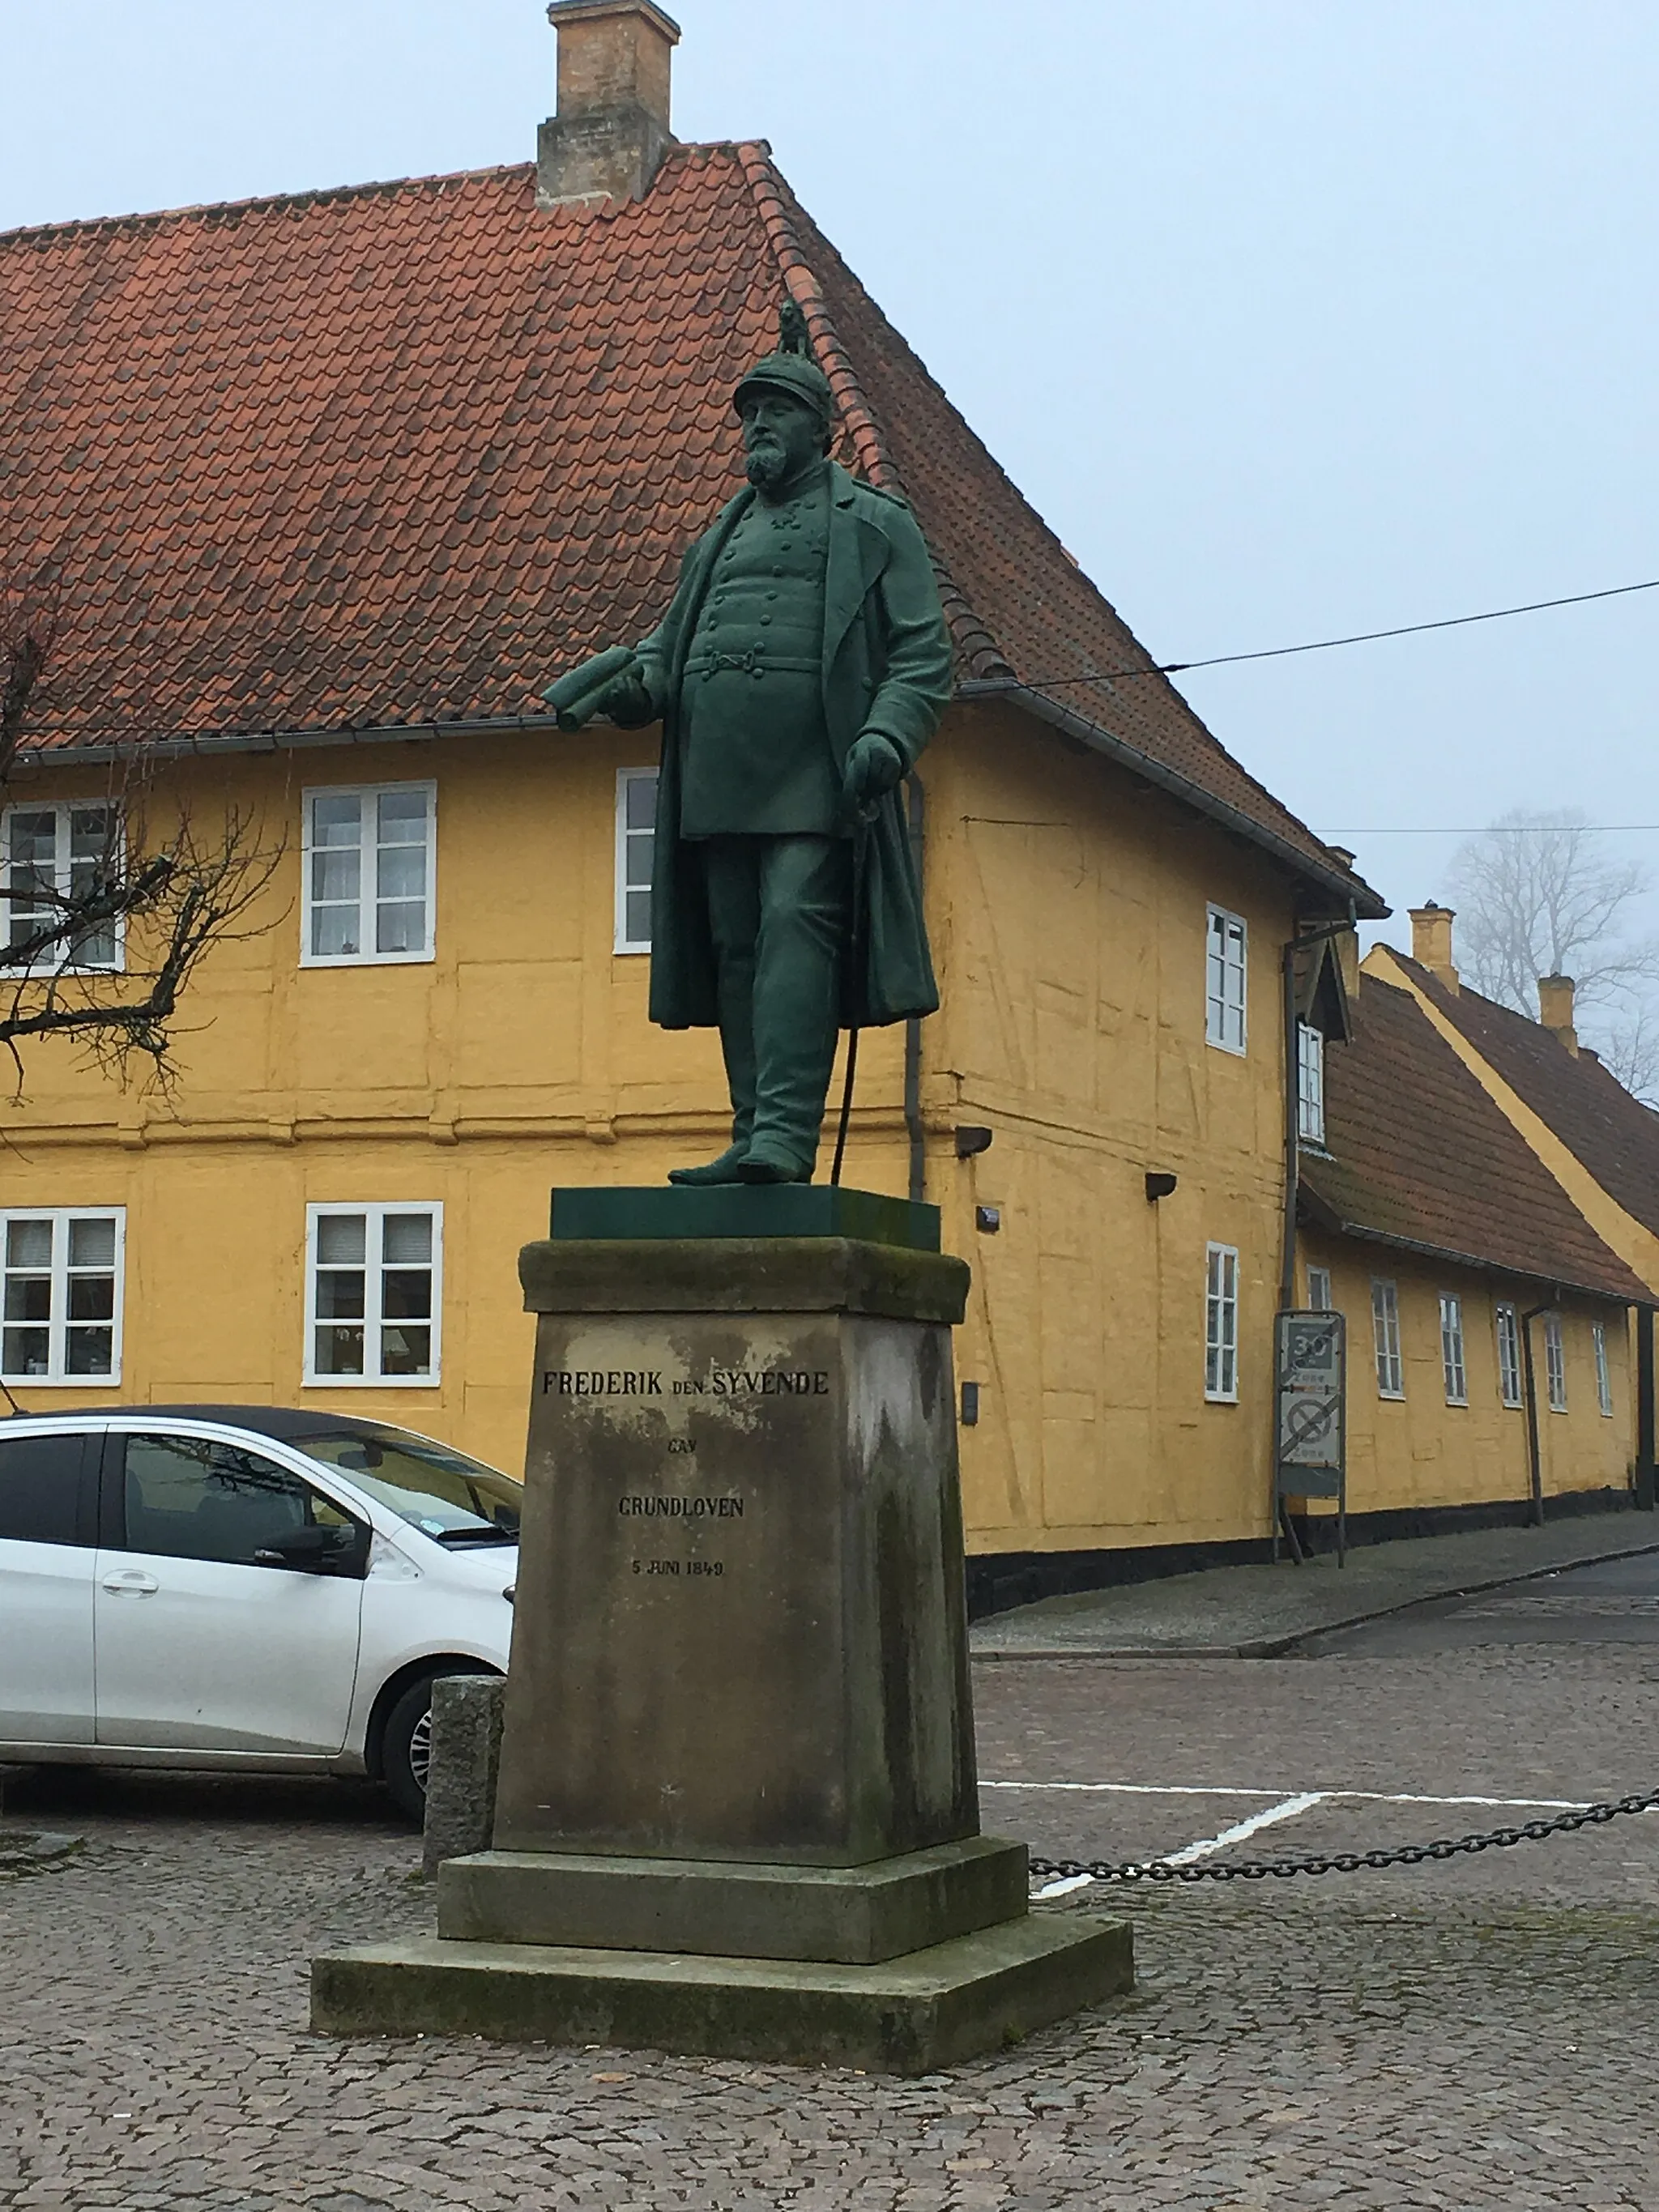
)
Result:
{"points": [[853, 1915], [936, 2007]]}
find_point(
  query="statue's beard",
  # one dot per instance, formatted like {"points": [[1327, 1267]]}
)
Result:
{"points": [[768, 467]]}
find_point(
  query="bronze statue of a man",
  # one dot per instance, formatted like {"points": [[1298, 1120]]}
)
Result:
{"points": [[802, 667]]}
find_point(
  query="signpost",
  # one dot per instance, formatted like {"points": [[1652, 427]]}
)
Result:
{"points": [[1309, 1424]]}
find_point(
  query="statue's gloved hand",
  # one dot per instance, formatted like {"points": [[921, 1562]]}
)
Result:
{"points": [[873, 766], [628, 702]]}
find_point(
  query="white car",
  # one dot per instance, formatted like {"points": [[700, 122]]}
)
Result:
{"points": [[243, 1588]]}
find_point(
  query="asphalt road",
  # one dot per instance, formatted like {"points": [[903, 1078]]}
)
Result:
{"points": [[1614, 1602], [1475, 2036]]}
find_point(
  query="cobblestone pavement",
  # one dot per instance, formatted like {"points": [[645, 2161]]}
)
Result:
{"points": [[1471, 2036]]}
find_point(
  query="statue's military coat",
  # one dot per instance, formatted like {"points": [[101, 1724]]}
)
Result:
{"points": [[886, 668]]}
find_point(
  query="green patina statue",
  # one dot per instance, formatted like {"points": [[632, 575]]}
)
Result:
{"points": [[802, 667]]}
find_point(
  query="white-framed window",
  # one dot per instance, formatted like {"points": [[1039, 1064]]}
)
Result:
{"points": [[369, 874], [1603, 1374], [53, 853], [1228, 942], [373, 1294], [1555, 1363], [63, 1299], [1221, 1325], [637, 841], [1319, 1291], [1508, 1355], [1385, 1332], [1310, 1083], [1452, 1350]]}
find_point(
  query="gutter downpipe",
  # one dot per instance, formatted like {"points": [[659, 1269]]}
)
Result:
{"points": [[913, 1122], [1644, 1409], [1281, 1519], [1534, 1451]]}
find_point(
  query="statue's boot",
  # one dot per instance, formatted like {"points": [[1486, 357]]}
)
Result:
{"points": [[769, 1161], [728, 1168]]}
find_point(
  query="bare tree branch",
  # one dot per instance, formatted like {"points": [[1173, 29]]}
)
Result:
{"points": [[1539, 894], [102, 952]]}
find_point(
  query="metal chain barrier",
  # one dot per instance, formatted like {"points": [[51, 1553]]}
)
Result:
{"points": [[1531, 1832]]}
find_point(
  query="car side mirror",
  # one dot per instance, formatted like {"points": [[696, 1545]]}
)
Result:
{"points": [[315, 1550]]}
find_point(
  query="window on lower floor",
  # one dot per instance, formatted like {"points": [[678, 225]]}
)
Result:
{"points": [[1555, 1363], [52, 855], [373, 1294], [1385, 1331], [1508, 1355], [62, 1295], [636, 839], [1451, 1351], [1603, 1374], [1221, 1325], [368, 875]]}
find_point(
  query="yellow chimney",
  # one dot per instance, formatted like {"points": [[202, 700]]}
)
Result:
{"points": [[1555, 1009], [1431, 941]]}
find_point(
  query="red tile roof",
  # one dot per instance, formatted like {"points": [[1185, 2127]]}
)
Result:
{"points": [[1421, 1157], [1608, 1131], [397, 454]]}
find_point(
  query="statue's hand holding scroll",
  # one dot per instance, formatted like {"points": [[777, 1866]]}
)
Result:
{"points": [[612, 684]]}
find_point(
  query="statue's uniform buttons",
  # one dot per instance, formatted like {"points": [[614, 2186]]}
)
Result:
{"points": [[764, 620], [777, 572]]}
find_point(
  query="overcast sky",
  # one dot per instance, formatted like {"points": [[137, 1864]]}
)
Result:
{"points": [[1293, 317]]}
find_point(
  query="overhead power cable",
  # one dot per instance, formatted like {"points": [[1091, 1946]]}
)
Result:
{"points": [[1315, 645]]}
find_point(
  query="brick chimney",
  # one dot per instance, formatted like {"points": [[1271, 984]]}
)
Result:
{"points": [[609, 137], [1431, 946], [1555, 1009]]}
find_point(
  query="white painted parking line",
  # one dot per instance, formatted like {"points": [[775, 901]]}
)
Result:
{"points": [[1287, 1809], [1277, 1796]]}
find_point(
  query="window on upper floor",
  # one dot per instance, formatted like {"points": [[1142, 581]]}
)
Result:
{"points": [[636, 839], [1451, 1351], [1508, 1355], [368, 875], [1309, 1083], [373, 1294], [1319, 1291], [53, 853], [1221, 1325], [1555, 1363], [1225, 980], [1603, 1374], [62, 1269], [1385, 1334]]}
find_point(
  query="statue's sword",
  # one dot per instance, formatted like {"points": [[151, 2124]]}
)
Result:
{"points": [[856, 951]]}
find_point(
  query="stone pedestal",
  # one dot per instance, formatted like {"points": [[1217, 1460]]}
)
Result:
{"points": [[737, 1809]]}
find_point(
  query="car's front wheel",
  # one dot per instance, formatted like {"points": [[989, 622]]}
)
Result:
{"points": [[406, 1745]]}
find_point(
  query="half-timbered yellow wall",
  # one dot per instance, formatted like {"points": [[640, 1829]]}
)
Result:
{"points": [[1419, 1451], [1068, 908]]}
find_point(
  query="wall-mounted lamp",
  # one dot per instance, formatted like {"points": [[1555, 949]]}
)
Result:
{"points": [[1158, 1185], [988, 1219], [972, 1139]]}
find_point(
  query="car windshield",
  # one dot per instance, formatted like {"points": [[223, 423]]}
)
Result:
{"points": [[453, 1499]]}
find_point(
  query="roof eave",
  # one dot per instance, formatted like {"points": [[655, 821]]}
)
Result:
{"points": [[208, 744], [1334, 1224], [1347, 889]]}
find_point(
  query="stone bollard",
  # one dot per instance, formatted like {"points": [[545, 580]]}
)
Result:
{"points": [[466, 1747]]}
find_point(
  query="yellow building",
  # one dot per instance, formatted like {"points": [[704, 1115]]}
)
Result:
{"points": [[1598, 1143], [329, 486], [1488, 1370]]}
